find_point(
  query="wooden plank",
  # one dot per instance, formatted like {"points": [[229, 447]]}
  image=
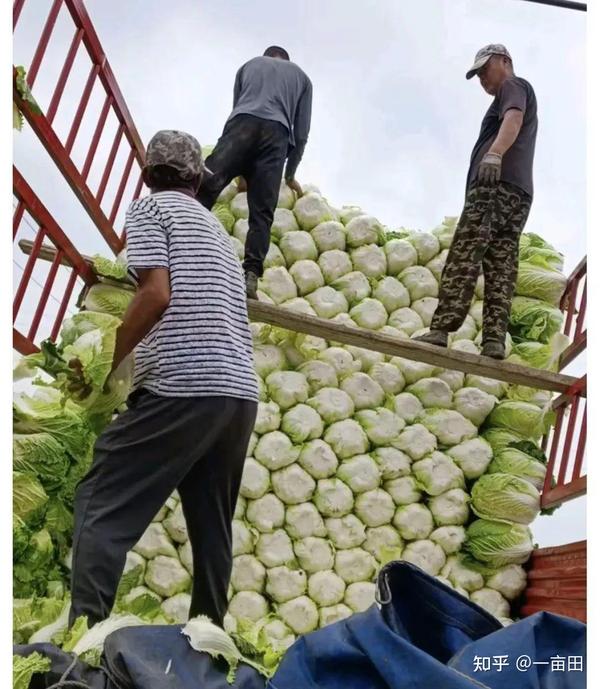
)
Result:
{"points": [[409, 349]]}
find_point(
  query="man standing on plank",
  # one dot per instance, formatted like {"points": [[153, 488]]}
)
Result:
{"points": [[270, 121], [499, 195], [194, 403]]}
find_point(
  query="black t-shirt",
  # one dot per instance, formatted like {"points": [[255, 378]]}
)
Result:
{"points": [[517, 162]]}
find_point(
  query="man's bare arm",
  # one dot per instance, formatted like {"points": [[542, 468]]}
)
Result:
{"points": [[509, 130]]}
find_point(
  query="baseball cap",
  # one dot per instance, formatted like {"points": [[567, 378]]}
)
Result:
{"points": [[484, 55], [178, 150]]}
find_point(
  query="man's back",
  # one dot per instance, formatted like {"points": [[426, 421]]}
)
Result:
{"points": [[271, 88]]}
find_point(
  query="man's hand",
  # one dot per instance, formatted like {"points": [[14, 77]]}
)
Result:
{"points": [[294, 186], [241, 185], [78, 386], [490, 169]]}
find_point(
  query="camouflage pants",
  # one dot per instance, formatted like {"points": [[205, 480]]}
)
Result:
{"points": [[487, 236]]}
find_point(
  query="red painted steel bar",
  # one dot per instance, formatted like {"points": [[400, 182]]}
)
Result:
{"points": [[571, 304], [64, 75], [85, 97], [64, 303], [110, 161], [579, 454], [96, 137], [553, 450], [574, 489], [17, 217], [46, 290], [122, 185], [138, 187], [581, 312], [22, 344], [566, 453], [34, 67], [17, 7], [27, 271]]}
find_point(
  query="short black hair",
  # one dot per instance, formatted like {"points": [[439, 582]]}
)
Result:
{"points": [[165, 177], [277, 51]]}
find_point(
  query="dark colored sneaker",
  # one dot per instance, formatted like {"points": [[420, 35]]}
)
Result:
{"points": [[493, 349], [251, 285], [434, 337]]}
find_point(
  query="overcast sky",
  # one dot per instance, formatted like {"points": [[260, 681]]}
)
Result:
{"points": [[394, 119]]}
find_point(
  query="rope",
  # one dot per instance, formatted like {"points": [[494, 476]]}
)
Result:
{"points": [[63, 682]]}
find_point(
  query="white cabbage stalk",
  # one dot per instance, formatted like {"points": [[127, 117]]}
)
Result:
{"points": [[369, 260], [425, 307], [365, 392], [349, 212], [176, 526], [445, 231], [413, 521], [363, 229], [248, 574], [406, 319], [360, 473], [333, 497], [266, 513], [161, 514], [392, 294], [406, 406], [437, 474], [267, 359], [293, 485], [388, 376], [480, 287], [375, 507], [287, 198], [367, 358], [268, 418], [278, 634], [334, 264], [454, 379], [227, 195], [466, 333], [384, 543], [419, 281], [318, 459], [326, 588], [360, 596], [332, 614], [413, 370], [400, 255], [309, 346], [240, 508], [327, 302], [462, 576], [302, 423], [238, 247], [450, 508], [474, 404], [264, 297], [489, 385], [403, 490], [432, 392], [304, 520], [284, 221], [416, 441], [255, 480], [332, 405], [381, 425], [472, 456], [274, 257], [307, 275], [167, 576], [426, 244], [274, 549], [369, 313], [450, 538], [186, 557], [155, 541], [275, 450], [319, 374], [278, 284], [510, 581], [260, 335], [436, 265], [426, 555], [284, 583], [345, 532], [239, 205], [354, 286], [449, 426], [392, 463], [492, 601], [314, 554], [311, 210], [346, 438], [248, 605], [177, 607], [287, 388], [354, 564], [329, 236], [243, 538]]}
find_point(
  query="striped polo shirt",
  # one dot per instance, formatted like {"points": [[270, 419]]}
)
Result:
{"points": [[202, 346]]}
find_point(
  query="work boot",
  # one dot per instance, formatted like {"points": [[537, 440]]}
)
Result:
{"points": [[434, 337], [494, 349], [251, 285]]}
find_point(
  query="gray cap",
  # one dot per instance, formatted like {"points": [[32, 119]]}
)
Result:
{"points": [[484, 55], [178, 150]]}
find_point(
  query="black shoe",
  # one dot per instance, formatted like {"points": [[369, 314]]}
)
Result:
{"points": [[251, 285], [494, 349], [434, 337]]}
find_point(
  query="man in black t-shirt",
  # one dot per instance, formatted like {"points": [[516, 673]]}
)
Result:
{"points": [[498, 199]]}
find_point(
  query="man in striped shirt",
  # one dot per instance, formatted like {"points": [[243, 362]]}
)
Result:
{"points": [[194, 403]]}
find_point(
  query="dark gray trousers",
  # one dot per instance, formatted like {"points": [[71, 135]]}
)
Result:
{"points": [[195, 445]]}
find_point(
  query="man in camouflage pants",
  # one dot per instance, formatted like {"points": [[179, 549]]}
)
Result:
{"points": [[499, 195]]}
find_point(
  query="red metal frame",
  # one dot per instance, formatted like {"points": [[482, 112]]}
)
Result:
{"points": [[114, 102]]}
